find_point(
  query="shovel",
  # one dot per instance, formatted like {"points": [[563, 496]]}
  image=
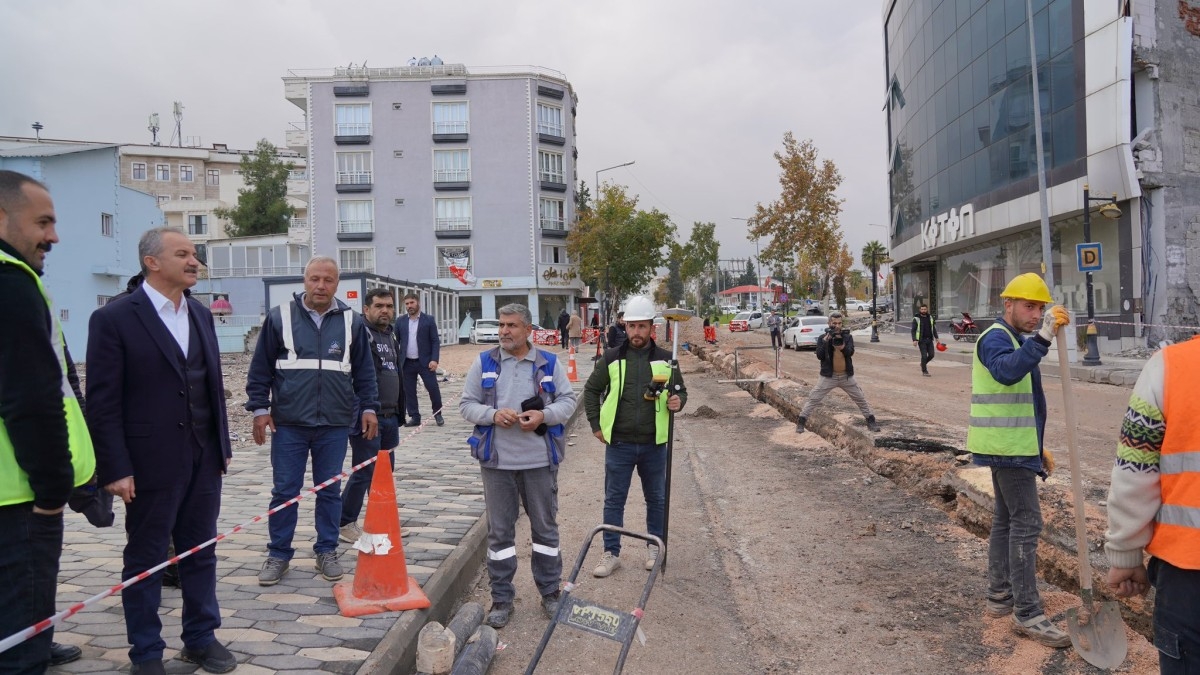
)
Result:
{"points": [[1097, 630]]}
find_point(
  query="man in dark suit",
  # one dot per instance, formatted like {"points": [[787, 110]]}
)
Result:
{"points": [[421, 347], [156, 410]]}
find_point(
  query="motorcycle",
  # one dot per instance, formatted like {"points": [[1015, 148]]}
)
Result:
{"points": [[964, 328]]}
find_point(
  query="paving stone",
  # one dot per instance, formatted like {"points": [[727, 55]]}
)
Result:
{"points": [[253, 649], [313, 640], [267, 615], [286, 662]]}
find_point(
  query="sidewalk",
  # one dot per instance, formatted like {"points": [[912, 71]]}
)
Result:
{"points": [[294, 626]]}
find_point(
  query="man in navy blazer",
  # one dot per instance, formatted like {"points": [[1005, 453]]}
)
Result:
{"points": [[421, 347], [156, 412]]}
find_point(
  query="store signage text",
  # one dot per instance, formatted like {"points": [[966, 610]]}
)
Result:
{"points": [[948, 227]]}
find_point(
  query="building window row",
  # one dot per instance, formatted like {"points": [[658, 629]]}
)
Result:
{"points": [[450, 261], [162, 172]]}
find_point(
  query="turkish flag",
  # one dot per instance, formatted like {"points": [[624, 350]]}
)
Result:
{"points": [[463, 275]]}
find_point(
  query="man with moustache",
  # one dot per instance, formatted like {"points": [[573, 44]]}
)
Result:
{"points": [[421, 346], [379, 310], [45, 449], [156, 409], [311, 374]]}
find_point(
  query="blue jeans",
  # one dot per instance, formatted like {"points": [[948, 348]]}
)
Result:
{"points": [[360, 451], [29, 567], [1012, 546], [290, 448], [1176, 634], [620, 459]]}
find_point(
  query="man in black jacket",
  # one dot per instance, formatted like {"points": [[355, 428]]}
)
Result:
{"points": [[835, 351], [924, 334]]}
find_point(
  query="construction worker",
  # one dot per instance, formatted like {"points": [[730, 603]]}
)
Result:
{"points": [[924, 334], [1154, 502], [1005, 432]]}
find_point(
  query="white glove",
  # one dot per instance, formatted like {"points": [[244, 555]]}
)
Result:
{"points": [[1054, 318]]}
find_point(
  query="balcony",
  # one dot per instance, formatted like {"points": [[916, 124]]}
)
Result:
{"points": [[353, 181], [450, 132], [295, 137], [297, 184], [553, 182], [358, 133], [551, 133], [452, 228], [298, 232], [451, 179], [355, 230], [216, 272], [554, 228], [356, 89]]}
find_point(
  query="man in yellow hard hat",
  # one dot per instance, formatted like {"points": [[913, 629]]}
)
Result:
{"points": [[1005, 432]]}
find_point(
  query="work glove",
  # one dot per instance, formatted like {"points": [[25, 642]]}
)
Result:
{"points": [[1047, 462], [1055, 317]]}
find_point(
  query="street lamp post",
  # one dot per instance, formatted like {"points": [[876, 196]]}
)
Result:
{"points": [[1109, 209], [610, 168], [875, 289]]}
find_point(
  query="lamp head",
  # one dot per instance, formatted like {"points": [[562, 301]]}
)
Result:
{"points": [[1110, 211]]}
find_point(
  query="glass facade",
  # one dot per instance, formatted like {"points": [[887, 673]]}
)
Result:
{"points": [[960, 105]]}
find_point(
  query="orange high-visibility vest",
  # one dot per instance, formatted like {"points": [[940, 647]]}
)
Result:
{"points": [[1177, 525]]}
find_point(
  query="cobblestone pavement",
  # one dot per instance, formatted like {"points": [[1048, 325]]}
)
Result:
{"points": [[293, 626]]}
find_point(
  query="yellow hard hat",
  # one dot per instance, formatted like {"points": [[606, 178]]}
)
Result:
{"points": [[1028, 286]]}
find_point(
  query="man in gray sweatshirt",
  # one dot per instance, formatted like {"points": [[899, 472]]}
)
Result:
{"points": [[518, 397]]}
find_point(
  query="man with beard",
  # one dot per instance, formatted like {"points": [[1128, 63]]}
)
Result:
{"points": [[924, 334], [629, 398]]}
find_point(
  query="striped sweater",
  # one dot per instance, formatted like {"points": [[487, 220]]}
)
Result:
{"points": [[1134, 493]]}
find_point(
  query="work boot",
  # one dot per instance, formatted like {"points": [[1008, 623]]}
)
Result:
{"points": [[438, 418], [609, 563], [500, 614], [800, 425], [550, 603], [871, 423]]}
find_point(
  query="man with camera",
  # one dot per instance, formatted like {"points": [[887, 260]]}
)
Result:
{"points": [[518, 398], [835, 351], [629, 398]]}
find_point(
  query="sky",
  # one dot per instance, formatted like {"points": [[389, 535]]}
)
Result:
{"points": [[698, 95]]}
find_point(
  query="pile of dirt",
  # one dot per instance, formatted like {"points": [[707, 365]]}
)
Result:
{"points": [[705, 412]]}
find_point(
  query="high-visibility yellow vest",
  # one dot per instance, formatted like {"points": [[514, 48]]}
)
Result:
{"points": [[616, 383], [1176, 537], [1002, 416], [14, 482]]}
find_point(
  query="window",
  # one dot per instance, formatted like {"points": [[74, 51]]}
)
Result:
{"points": [[356, 259], [197, 225], [185, 173], [458, 257], [213, 177], [102, 300], [202, 253], [163, 199], [64, 315], [550, 120], [451, 166], [138, 171], [552, 214], [106, 225], [353, 168], [162, 172], [554, 255], [450, 118], [356, 217], [353, 119], [550, 167], [186, 198], [452, 214]]}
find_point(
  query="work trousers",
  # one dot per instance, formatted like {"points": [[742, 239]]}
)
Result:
{"points": [[927, 352], [1176, 633], [844, 382], [1012, 545], [620, 460], [29, 565], [537, 491]]}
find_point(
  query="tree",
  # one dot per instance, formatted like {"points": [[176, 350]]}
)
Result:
{"points": [[879, 252], [749, 276], [262, 206], [583, 199], [674, 283], [698, 258]]}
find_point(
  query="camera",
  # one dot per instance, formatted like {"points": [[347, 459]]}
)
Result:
{"points": [[838, 335], [535, 402], [655, 388]]}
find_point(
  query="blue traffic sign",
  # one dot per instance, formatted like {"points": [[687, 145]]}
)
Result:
{"points": [[1089, 256], [783, 297]]}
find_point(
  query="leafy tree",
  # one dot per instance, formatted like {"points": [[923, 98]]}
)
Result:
{"points": [[880, 254], [583, 199], [262, 206], [674, 282], [749, 276]]}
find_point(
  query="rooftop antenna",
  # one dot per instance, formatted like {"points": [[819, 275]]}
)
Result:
{"points": [[177, 135], [153, 129], [37, 129]]}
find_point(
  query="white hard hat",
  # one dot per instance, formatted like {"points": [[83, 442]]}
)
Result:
{"points": [[639, 308]]}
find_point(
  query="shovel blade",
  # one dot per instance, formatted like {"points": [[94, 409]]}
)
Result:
{"points": [[1100, 638]]}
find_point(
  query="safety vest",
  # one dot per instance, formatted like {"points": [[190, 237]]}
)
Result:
{"points": [[292, 360], [543, 373], [1002, 421], [1176, 536], [608, 409], [14, 482]]}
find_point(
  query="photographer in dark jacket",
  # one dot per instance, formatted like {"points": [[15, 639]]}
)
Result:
{"points": [[835, 351]]}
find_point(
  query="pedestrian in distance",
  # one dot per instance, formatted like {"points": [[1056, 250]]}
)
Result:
{"points": [[629, 398], [1153, 502], [575, 330], [775, 324], [835, 351], [1005, 433], [518, 397], [924, 335], [45, 448], [311, 377], [564, 322], [616, 332], [379, 311], [156, 410], [421, 347]]}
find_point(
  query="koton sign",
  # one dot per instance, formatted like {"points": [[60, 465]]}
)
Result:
{"points": [[948, 227]]}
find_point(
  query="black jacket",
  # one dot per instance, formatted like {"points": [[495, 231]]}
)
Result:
{"points": [[825, 351]]}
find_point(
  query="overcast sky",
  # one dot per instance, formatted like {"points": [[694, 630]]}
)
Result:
{"points": [[699, 95]]}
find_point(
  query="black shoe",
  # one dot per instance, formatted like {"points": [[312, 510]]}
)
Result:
{"points": [[871, 423], [500, 614], [550, 603], [926, 373], [148, 668], [60, 653], [214, 658], [170, 577], [438, 418], [414, 422], [800, 425]]}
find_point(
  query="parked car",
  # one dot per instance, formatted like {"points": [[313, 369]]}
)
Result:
{"points": [[746, 321], [885, 303], [859, 306], [485, 330], [805, 333], [730, 309], [814, 309]]}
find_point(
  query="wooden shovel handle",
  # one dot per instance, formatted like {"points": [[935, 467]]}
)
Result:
{"points": [[1085, 567]]}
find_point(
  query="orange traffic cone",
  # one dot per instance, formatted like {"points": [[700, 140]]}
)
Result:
{"points": [[572, 371], [381, 582]]}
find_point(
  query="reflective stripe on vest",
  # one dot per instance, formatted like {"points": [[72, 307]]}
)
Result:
{"points": [[14, 482], [1176, 537], [1003, 421], [608, 409], [291, 362]]}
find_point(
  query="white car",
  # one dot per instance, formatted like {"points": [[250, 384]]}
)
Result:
{"points": [[485, 330], [746, 321], [806, 332], [859, 306]]}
